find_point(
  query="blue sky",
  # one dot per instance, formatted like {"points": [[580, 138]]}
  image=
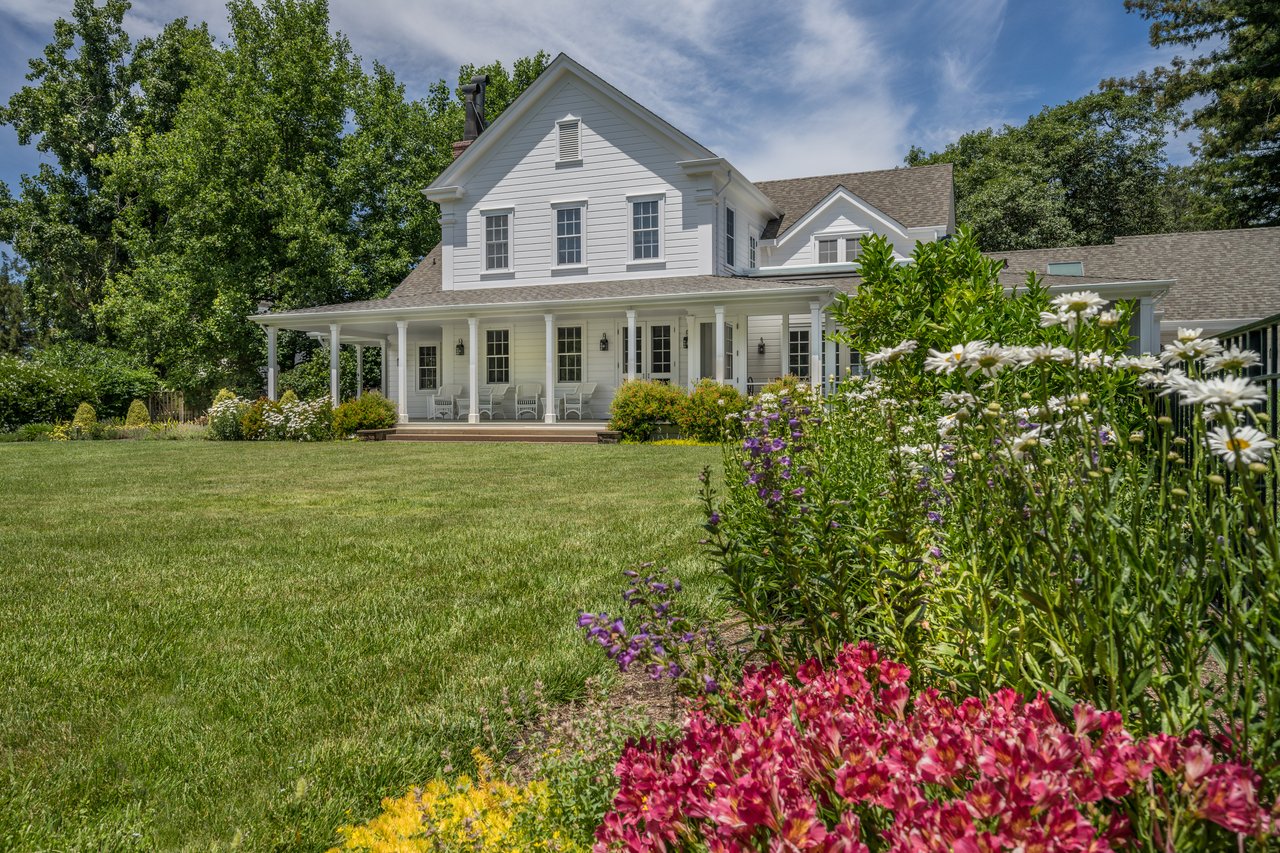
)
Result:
{"points": [[782, 88]]}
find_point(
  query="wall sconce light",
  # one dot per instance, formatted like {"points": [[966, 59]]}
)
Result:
{"points": [[460, 349], [604, 342], [760, 347], [264, 306], [686, 340]]}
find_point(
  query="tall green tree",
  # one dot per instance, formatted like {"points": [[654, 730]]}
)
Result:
{"points": [[15, 328], [1236, 85], [1082, 172]]}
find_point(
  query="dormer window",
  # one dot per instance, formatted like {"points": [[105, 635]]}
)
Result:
{"points": [[1065, 268], [730, 236], [829, 250], [752, 246], [570, 141], [852, 248]]}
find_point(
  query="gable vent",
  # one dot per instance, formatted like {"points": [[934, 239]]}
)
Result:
{"points": [[570, 136]]}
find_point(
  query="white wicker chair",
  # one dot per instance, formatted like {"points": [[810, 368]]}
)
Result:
{"points": [[579, 402], [492, 399], [528, 396], [442, 401]]}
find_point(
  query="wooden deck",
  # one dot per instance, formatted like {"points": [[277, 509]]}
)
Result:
{"points": [[565, 432]]}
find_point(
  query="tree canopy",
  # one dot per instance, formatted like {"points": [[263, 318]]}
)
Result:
{"points": [[191, 180]]}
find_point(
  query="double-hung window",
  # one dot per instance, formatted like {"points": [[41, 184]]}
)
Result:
{"points": [[497, 241], [497, 356], [660, 354], [730, 236], [752, 245], [646, 230], [798, 353], [428, 367], [829, 250], [852, 247], [569, 353], [569, 232]]}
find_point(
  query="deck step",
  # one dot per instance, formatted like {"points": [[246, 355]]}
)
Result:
{"points": [[525, 436]]}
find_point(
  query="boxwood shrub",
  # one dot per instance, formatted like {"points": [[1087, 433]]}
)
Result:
{"points": [[370, 411], [641, 405]]}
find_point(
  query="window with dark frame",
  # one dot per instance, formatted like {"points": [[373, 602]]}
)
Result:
{"points": [[497, 241], [428, 369], [798, 353], [569, 353], [568, 236], [497, 356], [730, 236], [828, 250], [645, 231], [660, 353]]}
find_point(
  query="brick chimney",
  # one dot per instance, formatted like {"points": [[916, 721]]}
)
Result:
{"points": [[473, 101]]}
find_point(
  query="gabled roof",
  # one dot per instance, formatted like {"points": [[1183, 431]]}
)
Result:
{"points": [[918, 197], [1219, 275], [561, 67], [426, 278]]}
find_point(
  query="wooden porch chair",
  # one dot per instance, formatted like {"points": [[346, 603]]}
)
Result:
{"points": [[528, 396], [579, 402], [492, 399], [441, 402]]}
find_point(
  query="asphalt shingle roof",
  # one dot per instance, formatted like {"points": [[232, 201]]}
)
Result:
{"points": [[1219, 275], [917, 197]]}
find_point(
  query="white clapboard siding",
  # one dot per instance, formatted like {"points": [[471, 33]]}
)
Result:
{"points": [[619, 157], [799, 248]]}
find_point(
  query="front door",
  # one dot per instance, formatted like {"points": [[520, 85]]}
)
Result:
{"points": [[655, 357]]}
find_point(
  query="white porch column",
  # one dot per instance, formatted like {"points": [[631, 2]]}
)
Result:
{"points": [[631, 345], [719, 333], [273, 365], [816, 379], [832, 369], [675, 352], [359, 370], [784, 346], [695, 351], [549, 413], [335, 364], [473, 374], [402, 369]]}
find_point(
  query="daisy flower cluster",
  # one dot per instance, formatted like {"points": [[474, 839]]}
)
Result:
{"points": [[843, 757]]}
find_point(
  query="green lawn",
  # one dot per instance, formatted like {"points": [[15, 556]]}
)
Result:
{"points": [[206, 644]]}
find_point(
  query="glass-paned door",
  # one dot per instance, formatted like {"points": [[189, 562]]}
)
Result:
{"points": [[707, 351], [655, 356]]}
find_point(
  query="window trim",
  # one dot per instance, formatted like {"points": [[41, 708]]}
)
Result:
{"points": [[556, 207], [730, 237], [510, 214], [562, 354], [753, 250], [488, 367], [435, 368], [560, 125], [843, 241], [632, 201]]}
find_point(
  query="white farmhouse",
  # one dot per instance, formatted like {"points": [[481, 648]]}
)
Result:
{"points": [[586, 241]]}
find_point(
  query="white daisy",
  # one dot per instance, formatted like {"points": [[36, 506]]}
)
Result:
{"points": [[990, 360], [1092, 360], [1081, 302], [889, 355], [1039, 354], [1242, 445], [1139, 363], [1232, 358], [1185, 335], [1232, 392], [957, 399], [1107, 319]]}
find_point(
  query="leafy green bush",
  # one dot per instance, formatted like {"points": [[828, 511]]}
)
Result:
{"points": [[37, 393], [641, 405], [787, 386], [114, 377], [85, 419], [138, 415], [370, 411], [288, 398], [223, 396], [711, 412], [257, 421]]}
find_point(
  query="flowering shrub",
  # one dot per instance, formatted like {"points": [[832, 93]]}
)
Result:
{"points": [[304, 420], [711, 412], [233, 418], [847, 760], [254, 424], [370, 411], [486, 815], [641, 405], [667, 642], [225, 415]]}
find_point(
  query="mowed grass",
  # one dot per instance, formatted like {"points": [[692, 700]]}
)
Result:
{"points": [[209, 645]]}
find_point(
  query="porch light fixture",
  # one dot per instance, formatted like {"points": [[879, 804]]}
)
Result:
{"points": [[460, 349], [760, 347], [686, 340], [604, 342], [264, 306]]}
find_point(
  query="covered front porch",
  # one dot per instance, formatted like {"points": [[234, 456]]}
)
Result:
{"points": [[556, 363]]}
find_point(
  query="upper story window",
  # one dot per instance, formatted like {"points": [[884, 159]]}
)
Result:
{"points": [[497, 241], [828, 250], [852, 248], [646, 230], [569, 230], [569, 141], [752, 245], [730, 236]]}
